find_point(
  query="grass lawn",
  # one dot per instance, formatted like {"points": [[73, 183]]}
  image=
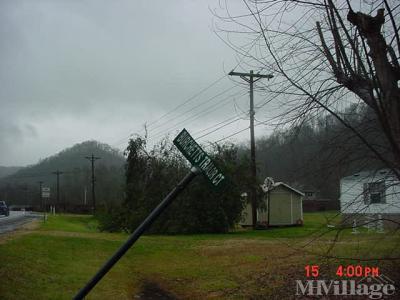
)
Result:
{"points": [[54, 260]]}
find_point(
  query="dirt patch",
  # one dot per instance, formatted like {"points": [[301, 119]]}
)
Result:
{"points": [[151, 290], [88, 235], [22, 230]]}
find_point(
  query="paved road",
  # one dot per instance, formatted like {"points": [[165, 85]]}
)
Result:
{"points": [[16, 219]]}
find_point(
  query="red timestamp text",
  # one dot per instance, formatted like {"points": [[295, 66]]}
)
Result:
{"points": [[357, 271], [345, 271], [312, 270]]}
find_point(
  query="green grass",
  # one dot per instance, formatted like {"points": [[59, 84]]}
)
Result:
{"points": [[71, 223], [57, 259]]}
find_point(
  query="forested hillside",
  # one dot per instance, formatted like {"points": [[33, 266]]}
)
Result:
{"points": [[318, 152], [6, 171]]}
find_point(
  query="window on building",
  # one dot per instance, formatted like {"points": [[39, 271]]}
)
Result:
{"points": [[374, 192]]}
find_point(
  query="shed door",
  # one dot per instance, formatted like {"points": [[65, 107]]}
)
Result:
{"points": [[280, 207]]}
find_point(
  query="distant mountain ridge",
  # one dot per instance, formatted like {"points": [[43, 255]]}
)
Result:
{"points": [[68, 160], [22, 186]]}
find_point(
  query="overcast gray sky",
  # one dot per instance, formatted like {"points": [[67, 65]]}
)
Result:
{"points": [[77, 70]]}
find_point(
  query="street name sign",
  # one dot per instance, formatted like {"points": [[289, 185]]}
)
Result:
{"points": [[198, 158]]}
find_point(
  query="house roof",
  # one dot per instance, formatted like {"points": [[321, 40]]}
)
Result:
{"points": [[277, 184], [289, 187], [372, 174]]}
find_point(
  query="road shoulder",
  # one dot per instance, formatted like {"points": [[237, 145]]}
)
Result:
{"points": [[24, 229]]}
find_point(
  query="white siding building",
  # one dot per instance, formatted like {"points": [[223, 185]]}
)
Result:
{"points": [[373, 194]]}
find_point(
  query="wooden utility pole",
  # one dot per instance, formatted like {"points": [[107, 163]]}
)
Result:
{"points": [[92, 158], [251, 78], [40, 193], [58, 173]]}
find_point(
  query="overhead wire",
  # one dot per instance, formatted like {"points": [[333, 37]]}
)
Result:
{"points": [[190, 99], [218, 128], [215, 125], [191, 109], [235, 133], [227, 137], [245, 54], [192, 118]]}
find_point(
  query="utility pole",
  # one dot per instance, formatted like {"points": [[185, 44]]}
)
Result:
{"points": [[251, 78], [93, 158], [84, 196], [58, 173], [40, 193]]}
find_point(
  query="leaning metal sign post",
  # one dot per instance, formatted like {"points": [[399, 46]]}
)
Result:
{"points": [[200, 162]]}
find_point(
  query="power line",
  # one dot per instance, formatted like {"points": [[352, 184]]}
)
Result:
{"points": [[218, 128], [191, 109], [213, 128], [190, 99], [196, 116], [122, 140], [224, 101], [229, 136], [215, 125], [236, 133], [192, 118]]}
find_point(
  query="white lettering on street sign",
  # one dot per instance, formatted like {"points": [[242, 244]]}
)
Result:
{"points": [[198, 157]]}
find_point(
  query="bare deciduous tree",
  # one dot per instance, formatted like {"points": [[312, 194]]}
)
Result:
{"points": [[325, 56]]}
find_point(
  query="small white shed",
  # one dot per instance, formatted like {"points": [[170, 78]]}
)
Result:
{"points": [[371, 194], [281, 206]]}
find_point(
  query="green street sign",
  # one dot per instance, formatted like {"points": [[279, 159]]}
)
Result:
{"points": [[199, 158]]}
